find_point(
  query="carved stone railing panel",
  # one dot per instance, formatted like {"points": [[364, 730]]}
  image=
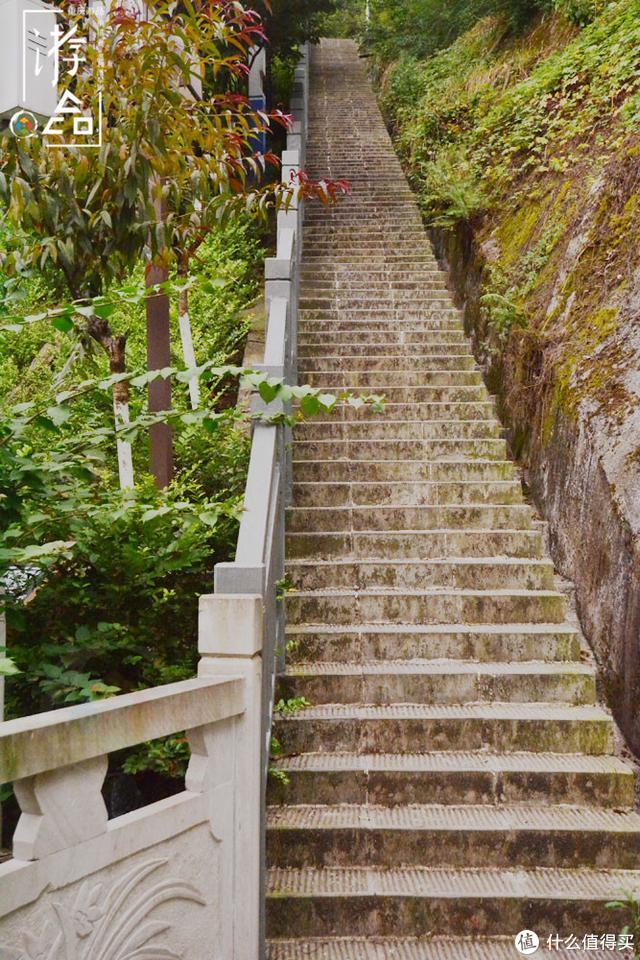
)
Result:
{"points": [[154, 883]]}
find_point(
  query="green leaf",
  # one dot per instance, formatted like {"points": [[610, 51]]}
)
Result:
{"points": [[58, 415], [8, 667], [310, 405], [105, 310], [63, 322], [211, 286], [268, 391]]}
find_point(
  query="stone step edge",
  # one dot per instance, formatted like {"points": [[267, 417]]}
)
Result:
{"points": [[534, 562], [456, 761], [410, 531], [433, 667], [452, 818], [548, 883], [512, 629], [431, 592], [493, 711], [410, 948]]}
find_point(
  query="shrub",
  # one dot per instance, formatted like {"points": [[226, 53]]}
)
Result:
{"points": [[450, 189]]}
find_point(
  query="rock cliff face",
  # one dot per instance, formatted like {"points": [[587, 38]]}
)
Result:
{"points": [[574, 421]]}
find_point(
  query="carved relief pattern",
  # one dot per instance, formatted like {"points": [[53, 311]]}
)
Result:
{"points": [[117, 926]]}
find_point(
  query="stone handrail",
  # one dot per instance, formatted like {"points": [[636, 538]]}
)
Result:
{"points": [[45, 741], [245, 603], [160, 877]]}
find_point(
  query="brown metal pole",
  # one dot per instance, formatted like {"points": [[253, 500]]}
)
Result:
{"points": [[159, 356]]}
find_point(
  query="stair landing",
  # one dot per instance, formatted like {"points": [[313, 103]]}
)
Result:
{"points": [[454, 780]]}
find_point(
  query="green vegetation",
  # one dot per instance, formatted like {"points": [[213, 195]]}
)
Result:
{"points": [[524, 133], [100, 577]]}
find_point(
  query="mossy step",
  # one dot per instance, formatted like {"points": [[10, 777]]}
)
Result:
{"points": [[475, 516], [447, 835], [439, 681], [467, 777], [411, 544], [479, 642], [452, 469], [443, 410], [436, 605], [378, 381], [417, 395], [432, 325], [372, 901], [409, 728], [383, 429], [387, 316], [492, 448], [317, 344], [458, 572], [398, 362], [405, 492], [410, 948]]}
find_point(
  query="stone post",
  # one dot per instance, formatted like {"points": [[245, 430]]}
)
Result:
{"points": [[230, 643]]}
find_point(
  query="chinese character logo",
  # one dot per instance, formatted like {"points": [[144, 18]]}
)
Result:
{"points": [[58, 59], [527, 942], [23, 124]]}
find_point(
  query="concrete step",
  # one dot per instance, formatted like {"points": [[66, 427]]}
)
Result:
{"points": [[415, 544], [389, 316], [398, 362], [418, 395], [453, 573], [438, 681], [318, 344], [383, 429], [434, 345], [395, 779], [385, 275], [401, 451], [463, 411], [382, 285], [351, 300], [410, 948], [436, 325], [407, 728], [409, 493], [369, 901], [472, 642], [379, 381], [437, 835], [476, 516], [436, 605], [450, 470]]}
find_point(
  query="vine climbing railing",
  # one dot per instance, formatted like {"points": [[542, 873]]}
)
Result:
{"points": [[182, 877]]}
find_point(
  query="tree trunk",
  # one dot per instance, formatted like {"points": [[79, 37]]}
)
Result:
{"points": [[116, 350], [187, 341], [115, 347], [159, 356]]}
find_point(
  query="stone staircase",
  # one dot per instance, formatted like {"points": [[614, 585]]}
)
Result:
{"points": [[454, 779]]}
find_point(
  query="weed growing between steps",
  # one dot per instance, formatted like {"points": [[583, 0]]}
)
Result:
{"points": [[283, 708]]}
